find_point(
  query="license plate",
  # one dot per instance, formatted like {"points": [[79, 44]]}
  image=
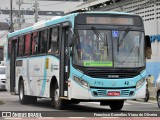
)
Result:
{"points": [[114, 93]]}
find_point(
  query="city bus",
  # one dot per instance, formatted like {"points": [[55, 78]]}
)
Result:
{"points": [[80, 57]]}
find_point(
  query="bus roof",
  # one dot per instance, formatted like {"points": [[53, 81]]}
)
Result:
{"points": [[57, 20]]}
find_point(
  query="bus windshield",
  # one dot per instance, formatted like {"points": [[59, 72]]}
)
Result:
{"points": [[108, 48]]}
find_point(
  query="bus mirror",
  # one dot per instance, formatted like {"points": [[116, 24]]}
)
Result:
{"points": [[148, 49]]}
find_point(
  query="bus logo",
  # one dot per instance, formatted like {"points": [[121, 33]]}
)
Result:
{"points": [[113, 76], [113, 83]]}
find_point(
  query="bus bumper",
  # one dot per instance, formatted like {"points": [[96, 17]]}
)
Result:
{"points": [[82, 93]]}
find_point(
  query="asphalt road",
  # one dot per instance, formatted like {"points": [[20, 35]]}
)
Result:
{"points": [[84, 110], [11, 103]]}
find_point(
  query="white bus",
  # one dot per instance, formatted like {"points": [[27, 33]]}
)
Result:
{"points": [[50, 59]]}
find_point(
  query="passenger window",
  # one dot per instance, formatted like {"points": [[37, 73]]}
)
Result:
{"points": [[21, 46], [27, 44], [54, 41], [43, 41], [34, 45]]}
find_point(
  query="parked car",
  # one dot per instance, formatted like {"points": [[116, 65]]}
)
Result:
{"points": [[158, 91], [2, 77]]}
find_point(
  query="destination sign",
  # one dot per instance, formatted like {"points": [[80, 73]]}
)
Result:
{"points": [[110, 20]]}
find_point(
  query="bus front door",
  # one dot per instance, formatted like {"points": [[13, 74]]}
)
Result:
{"points": [[64, 60]]}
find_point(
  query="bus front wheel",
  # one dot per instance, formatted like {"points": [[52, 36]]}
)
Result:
{"points": [[116, 105], [56, 102]]}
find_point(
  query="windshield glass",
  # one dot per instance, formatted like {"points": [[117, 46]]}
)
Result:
{"points": [[2, 70], [128, 49], [91, 49], [108, 48]]}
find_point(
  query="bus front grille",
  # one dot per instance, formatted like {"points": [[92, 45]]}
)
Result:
{"points": [[112, 74]]}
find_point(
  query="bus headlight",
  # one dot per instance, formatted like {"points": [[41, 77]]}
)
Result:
{"points": [[82, 82], [140, 83]]}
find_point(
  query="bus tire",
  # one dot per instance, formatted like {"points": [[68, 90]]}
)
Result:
{"points": [[158, 99], [147, 96], [56, 102], [116, 105], [22, 98], [33, 99]]}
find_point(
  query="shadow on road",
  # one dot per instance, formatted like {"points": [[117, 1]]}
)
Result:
{"points": [[74, 107]]}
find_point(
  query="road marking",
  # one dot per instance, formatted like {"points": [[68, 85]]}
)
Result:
{"points": [[13, 118], [125, 103], [138, 102], [97, 103], [76, 117]]}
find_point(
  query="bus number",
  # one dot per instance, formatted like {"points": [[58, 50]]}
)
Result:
{"points": [[126, 83]]}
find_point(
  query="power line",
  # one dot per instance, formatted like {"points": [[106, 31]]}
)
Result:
{"points": [[54, 3]]}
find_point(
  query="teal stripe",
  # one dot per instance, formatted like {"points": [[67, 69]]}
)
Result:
{"points": [[44, 80]]}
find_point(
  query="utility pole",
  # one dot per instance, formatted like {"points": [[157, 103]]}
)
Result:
{"points": [[36, 10], [19, 2], [11, 20]]}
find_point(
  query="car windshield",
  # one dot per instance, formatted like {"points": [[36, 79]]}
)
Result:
{"points": [[2, 71], [108, 48]]}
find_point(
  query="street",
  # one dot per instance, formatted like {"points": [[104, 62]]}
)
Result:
{"points": [[91, 109], [11, 103]]}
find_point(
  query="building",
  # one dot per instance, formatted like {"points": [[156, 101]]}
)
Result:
{"points": [[24, 10], [24, 15]]}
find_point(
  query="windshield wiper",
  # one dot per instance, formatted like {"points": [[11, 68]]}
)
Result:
{"points": [[99, 35], [122, 39], [124, 36]]}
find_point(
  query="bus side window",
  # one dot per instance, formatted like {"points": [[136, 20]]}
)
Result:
{"points": [[34, 45], [54, 40], [21, 46], [27, 44], [43, 41]]}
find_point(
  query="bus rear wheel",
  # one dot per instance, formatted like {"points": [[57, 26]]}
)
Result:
{"points": [[56, 102], [116, 105], [22, 98]]}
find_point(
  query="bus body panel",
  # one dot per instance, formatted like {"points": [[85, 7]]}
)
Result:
{"points": [[102, 87], [37, 79], [8, 75], [37, 72]]}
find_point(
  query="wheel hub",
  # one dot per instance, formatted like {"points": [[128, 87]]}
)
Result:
{"points": [[21, 92]]}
